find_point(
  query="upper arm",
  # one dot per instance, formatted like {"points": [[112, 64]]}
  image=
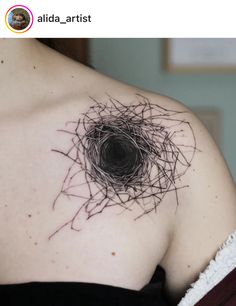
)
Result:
{"points": [[206, 213]]}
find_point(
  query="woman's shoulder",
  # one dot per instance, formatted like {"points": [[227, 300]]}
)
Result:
{"points": [[206, 212]]}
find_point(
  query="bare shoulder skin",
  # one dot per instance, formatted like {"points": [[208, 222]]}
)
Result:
{"points": [[101, 181], [205, 217]]}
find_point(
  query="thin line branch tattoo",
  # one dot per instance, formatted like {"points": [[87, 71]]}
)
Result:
{"points": [[126, 156]]}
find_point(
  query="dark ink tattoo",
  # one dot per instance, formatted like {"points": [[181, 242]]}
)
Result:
{"points": [[124, 155]]}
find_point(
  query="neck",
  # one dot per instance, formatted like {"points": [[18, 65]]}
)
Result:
{"points": [[20, 56], [19, 43], [28, 67], [18, 52]]}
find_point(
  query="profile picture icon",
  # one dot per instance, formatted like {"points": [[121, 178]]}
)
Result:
{"points": [[19, 18]]}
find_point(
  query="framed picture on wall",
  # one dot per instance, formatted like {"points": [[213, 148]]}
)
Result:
{"points": [[192, 55]]}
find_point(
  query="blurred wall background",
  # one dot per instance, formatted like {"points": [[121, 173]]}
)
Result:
{"points": [[139, 62]]}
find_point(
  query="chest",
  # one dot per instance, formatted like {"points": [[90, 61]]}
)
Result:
{"points": [[51, 215]]}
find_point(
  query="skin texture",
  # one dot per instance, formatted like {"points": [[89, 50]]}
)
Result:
{"points": [[39, 94]]}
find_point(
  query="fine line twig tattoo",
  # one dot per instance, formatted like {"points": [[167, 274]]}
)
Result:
{"points": [[126, 156]]}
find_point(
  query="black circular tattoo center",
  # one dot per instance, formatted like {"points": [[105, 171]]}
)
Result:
{"points": [[119, 156]]}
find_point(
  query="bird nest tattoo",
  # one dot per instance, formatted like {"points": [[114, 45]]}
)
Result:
{"points": [[124, 155]]}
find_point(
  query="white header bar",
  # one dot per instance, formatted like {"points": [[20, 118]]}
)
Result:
{"points": [[123, 18]]}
